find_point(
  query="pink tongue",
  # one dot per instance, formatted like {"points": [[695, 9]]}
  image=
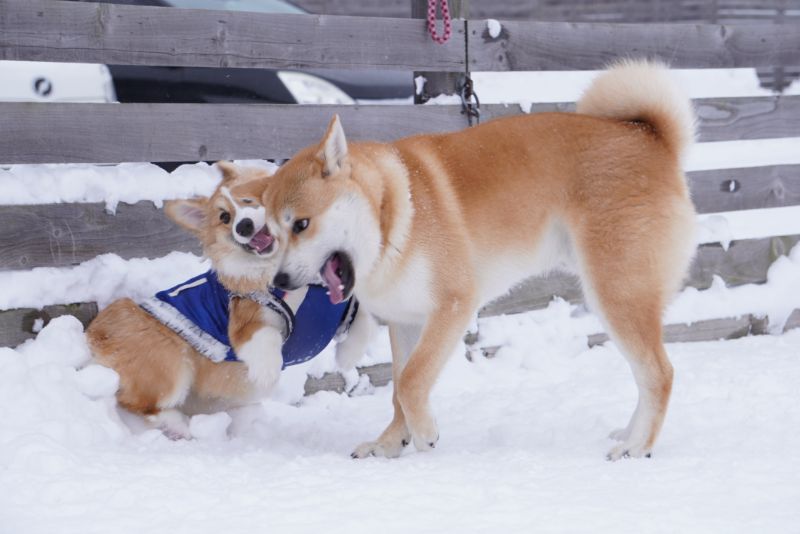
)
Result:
{"points": [[260, 241], [334, 283]]}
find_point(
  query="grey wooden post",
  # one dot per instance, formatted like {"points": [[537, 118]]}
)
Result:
{"points": [[439, 83]]}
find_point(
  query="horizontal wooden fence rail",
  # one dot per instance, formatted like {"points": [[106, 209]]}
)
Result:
{"points": [[578, 10], [113, 133], [744, 262], [60, 235], [718, 190], [22, 324], [50, 30], [524, 45], [707, 330]]}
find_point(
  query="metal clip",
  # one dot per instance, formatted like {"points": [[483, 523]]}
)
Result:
{"points": [[470, 104]]}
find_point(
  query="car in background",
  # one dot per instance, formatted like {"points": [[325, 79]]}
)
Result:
{"points": [[225, 85], [40, 81]]}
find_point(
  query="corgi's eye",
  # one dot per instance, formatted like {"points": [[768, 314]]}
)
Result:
{"points": [[225, 217], [247, 201], [299, 225]]}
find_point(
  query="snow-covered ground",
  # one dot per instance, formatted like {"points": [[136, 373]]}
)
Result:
{"points": [[521, 450], [523, 435]]}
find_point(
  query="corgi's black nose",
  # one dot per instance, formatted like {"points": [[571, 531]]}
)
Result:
{"points": [[282, 281], [245, 227]]}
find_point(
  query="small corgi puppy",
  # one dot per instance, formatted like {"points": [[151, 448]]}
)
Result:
{"points": [[220, 339]]}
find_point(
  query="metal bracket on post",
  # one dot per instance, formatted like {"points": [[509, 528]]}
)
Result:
{"points": [[439, 83], [470, 105]]}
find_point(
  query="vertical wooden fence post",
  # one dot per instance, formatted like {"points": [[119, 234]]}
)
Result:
{"points": [[439, 83]]}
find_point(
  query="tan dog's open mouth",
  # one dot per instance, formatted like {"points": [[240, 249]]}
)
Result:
{"points": [[338, 276]]}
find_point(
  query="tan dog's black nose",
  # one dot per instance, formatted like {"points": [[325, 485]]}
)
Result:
{"points": [[282, 281]]}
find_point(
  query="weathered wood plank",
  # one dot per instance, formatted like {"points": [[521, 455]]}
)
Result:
{"points": [[573, 10], [49, 30], [379, 375], [110, 133], [745, 262], [750, 118], [708, 330], [586, 46], [17, 326], [59, 235], [741, 189]]}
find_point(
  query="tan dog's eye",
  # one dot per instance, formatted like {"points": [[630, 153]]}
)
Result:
{"points": [[299, 225], [225, 217]]}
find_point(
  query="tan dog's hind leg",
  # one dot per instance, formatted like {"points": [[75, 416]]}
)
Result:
{"points": [[396, 436], [639, 339], [629, 298]]}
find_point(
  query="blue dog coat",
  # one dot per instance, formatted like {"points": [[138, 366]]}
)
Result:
{"points": [[198, 311]]}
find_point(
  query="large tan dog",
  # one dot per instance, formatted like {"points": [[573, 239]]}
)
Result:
{"points": [[427, 229]]}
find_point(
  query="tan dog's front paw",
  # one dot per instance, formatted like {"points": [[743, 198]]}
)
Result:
{"points": [[424, 431], [390, 444], [426, 442], [628, 450], [384, 448]]}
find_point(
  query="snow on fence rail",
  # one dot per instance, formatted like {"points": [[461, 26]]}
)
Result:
{"points": [[66, 234]]}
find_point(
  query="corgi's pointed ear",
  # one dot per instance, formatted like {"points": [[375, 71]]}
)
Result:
{"points": [[333, 149], [190, 213], [228, 170]]}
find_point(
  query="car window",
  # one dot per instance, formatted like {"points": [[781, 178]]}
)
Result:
{"points": [[261, 6]]}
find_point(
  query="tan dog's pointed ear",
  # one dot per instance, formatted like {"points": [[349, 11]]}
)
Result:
{"points": [[333, 148], [229, 171], [190, 213]]}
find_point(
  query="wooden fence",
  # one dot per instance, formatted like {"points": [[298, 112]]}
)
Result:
{"points": [[67, 234]]}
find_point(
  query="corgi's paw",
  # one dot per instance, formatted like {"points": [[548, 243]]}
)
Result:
{"points": [[262, 355], [172, 423], [263, 374]]}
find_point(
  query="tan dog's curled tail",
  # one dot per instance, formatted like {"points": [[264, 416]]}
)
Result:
{"points": [[643, 91]]}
